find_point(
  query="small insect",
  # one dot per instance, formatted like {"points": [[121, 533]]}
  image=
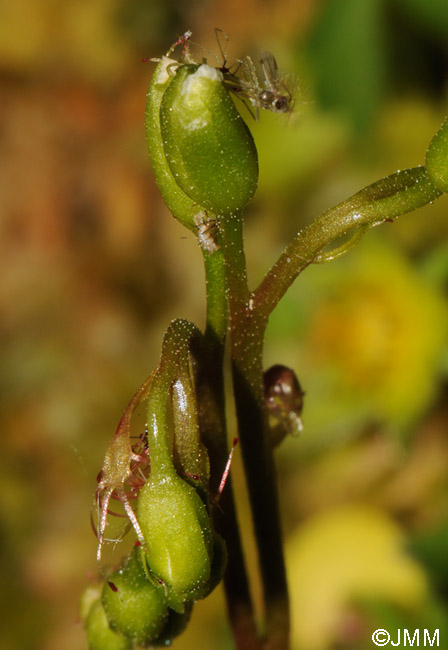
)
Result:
{"points": [[263, 88], [266, 90], [206, 232], [123, 472], [283, 396], [275, 97]]}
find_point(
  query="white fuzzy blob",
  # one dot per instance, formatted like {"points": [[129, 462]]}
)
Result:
{"points": [[204, 71]]}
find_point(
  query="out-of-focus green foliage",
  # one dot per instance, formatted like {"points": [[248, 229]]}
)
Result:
{"points": [[430, 546], [361, 52], [347, 51], [92, 269], [433, 15]]}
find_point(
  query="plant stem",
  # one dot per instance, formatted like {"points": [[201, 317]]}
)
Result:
{"points": [[215, 284], [210, 386], [246, 346]]}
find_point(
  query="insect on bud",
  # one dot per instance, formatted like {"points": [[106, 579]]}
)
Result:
{"points": [[209, 149]]}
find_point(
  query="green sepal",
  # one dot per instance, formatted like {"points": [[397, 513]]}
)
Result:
{"points": [[179, 204], [99, 635], [135, 606], [437, 158], [190, 457], [209, 149]]}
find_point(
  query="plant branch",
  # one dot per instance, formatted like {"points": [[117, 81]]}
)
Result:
{"points": [[386, 199], [246, 346], [211, 404]]}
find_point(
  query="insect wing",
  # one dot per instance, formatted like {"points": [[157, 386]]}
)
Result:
{"points": [[270, 70]]}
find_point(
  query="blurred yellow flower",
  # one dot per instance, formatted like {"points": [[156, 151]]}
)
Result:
{"points": [[382, 332], [337, 557]]}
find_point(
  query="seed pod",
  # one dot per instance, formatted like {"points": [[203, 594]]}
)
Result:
{"points": [[178, 535], [135, 606], [209, 149], [99, 635], [437, 158]]}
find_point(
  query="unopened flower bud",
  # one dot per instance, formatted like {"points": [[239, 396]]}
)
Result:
{"points": [[135, 606], [208, 146]]}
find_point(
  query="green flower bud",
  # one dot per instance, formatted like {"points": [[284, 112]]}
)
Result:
{"points": [[178, 536], [209, 149], [174, 521], [437, 158], [99, 634], [135, 606]]}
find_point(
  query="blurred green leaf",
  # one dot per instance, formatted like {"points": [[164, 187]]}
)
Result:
{"points": [[346, 50], [433, 14], [430, 549]]}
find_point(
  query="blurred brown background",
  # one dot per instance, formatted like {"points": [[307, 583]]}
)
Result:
{"points": [[92, 268]]}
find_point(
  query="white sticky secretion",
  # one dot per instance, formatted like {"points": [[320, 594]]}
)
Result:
{"points": [[203, 72]]}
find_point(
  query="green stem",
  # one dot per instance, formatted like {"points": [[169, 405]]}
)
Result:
{"points": [[216, 314], [386, 199], [210, 386], [246, 345]]}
